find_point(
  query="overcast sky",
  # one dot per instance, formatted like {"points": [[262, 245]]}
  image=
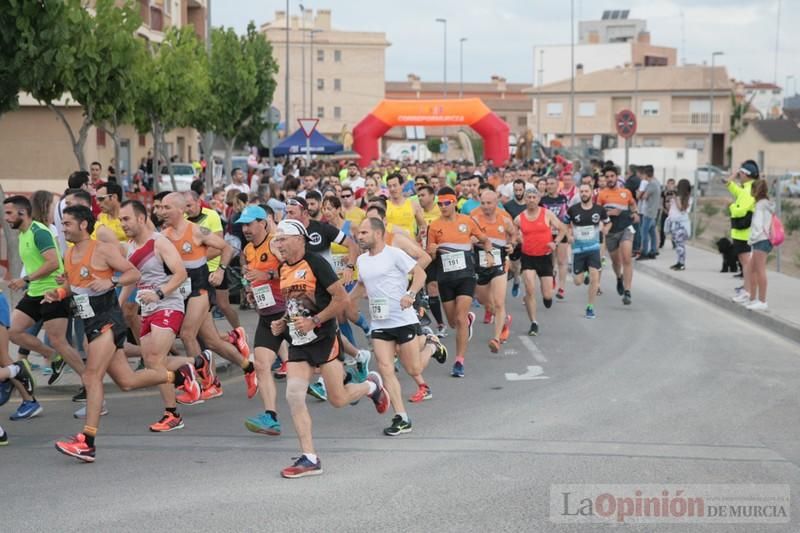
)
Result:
{"points": [[501, 33]]}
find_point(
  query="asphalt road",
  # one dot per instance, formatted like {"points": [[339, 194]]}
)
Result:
{"points": [[670, 390]]}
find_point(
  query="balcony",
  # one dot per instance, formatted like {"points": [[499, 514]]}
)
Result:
{"points": [[694, 119]]}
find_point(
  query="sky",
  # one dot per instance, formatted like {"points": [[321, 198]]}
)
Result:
{"points": [[501, 34]]}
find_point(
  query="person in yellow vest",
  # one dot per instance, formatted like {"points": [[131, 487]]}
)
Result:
{"points": [[403, 212], [741, 214]]}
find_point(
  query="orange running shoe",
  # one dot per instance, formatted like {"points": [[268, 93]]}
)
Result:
{"points": [[423, 393], [76, 447], [212, 391], [168, 422], [281, 372], [494, 345], [506, 329], [238, 338], [205, 372], [487, 317], [251, 380], [191, 387]]}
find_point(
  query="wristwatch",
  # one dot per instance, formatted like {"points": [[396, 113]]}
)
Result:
{"points": [[315, 319], [26, 279], [160, 294], [114, 283], [411, 293]]}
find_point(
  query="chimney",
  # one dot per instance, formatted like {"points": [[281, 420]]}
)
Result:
{"points": [[414, 80], [579, 69], [323, 20], [499, 83]]}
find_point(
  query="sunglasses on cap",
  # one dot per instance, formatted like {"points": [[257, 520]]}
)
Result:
{"points": [[292, 201]]}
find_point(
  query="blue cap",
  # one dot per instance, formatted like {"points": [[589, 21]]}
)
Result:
{"points": [[251, 213]]}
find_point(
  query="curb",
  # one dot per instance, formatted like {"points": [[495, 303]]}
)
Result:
{"points": [[775, 324]]}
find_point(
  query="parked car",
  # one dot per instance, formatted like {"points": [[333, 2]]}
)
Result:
{"points": [[790, 184], [184, 176], [707, 174]]}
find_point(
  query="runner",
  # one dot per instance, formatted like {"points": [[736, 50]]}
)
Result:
{"points": [[535, 225], [587, 222], [260, 270], [557, 204], [492, 282], [42, 261], [514, 207], [314, 296], [193, 243], [450, 241], [89, 268], [621, 208], [162, 274], [430, 211], [402, 212]]}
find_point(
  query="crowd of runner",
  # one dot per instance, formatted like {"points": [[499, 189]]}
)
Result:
{"points": [[111, 280]]}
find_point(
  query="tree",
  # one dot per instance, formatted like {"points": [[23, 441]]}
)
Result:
{"points": [[172, 81], [434, 145]]}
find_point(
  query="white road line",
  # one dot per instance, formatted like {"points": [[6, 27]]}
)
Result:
{"points": [[535, 351], [533, 372]]}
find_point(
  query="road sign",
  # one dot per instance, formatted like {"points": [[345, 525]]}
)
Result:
{"points": [[626, 124], [308, 125], [266, 138], [271, 115]]}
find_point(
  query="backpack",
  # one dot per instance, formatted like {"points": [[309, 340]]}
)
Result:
{"points": [[776, 233]]}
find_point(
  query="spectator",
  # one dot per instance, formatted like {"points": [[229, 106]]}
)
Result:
{"points": [[759, 240], [678, 223], [650, 203]]}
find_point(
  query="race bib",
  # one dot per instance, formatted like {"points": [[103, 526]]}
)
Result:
{"points": [[482, 258], [585, 233], [339, 263], [82, 306], [185, 289], [379, 308], [263, 296], [147, 308], [454, 262], [299, 339]]}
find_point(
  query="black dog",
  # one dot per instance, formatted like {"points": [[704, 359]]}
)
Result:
{"points": [[730, 262]]}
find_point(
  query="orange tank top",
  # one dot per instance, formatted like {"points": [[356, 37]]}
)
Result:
{"points": [[82, 273], [192, 254]]}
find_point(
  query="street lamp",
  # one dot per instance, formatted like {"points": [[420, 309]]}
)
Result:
{"points": [[711, 111], [572, 75], [303, 56], [786, 87], [286, 82], [461, 67], [539, 98], [444, 22]]}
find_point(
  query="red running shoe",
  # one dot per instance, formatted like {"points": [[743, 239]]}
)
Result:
{"points": [[76, 447], [487, 317], [191, 386], [213, 391], [380, 397], [504, 334], [238, 338], [251, 380]]}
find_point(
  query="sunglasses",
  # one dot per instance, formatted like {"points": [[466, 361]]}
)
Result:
{"points": [[446, 203], [347, 196]]}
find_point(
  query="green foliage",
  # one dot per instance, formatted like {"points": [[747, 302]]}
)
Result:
{"points": [[700, 228], [788, 207], [791, 223], [434, 145], [709, 209]]}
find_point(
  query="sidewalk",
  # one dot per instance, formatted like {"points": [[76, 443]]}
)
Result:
{"points": [[702, 277]]}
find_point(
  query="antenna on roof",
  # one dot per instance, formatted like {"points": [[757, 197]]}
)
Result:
{"points": [[683, 39]]}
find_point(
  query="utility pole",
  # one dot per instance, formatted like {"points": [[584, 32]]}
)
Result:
{"points": [[572, 73], [303, 57], [461, 67], [539, 98], [286, 120]]}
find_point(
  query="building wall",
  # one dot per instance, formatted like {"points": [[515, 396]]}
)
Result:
{"points": [[767, 101], [610, 30], [555, 63], [778, 157], [361, 71]]}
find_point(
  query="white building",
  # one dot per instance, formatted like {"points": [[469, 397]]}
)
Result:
{"points": [[765, 98], [613, 27]]}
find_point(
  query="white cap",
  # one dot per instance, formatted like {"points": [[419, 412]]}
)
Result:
{"points": [[292, 227]]}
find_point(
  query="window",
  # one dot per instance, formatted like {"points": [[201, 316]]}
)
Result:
{"points": [[337, 56], [699, 111], [651, 141], [101, 137], [522, 121], [587, 109], [337, 112], [650, 108], [698, 144], [142, 140], [320, 55], [320, 112], [320, 84], [554, 109], [337, 84]]}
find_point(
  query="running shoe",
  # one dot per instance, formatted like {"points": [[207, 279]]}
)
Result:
{"points": [[742, 297], [398, 427], [534, 329], [620, 286], [757, 305], [506, 332], [441, 332], [379, 396], [264, 424], [191, 386], [487, 317], [281, 372], [212, 391], [589, 312], [276, 364], [57, 366], [363, 359], [458, 370], [470, 321], [302, 467], [205, 372], [599, 291], [4, 439], [678, 266], [560, 293], [238, 338], [426, 331], [494, 345], [626, 298], [251, 380], [423, 393], [80, 414], [26, 410], [440, 354], [317, 390], [168, 422], [25, 376], [515, 289], [76, 447], [6, 388], [586, 278], [80, 397]]}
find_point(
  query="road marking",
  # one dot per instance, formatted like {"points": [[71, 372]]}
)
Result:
{"points": [[535, 351], [533, 372]]}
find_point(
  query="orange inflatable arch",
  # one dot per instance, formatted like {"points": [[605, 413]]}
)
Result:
{"points": [[470, 112]]}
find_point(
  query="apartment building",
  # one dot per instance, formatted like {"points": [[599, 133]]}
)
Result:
{"points": [[672, 105], [335, 75]]}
